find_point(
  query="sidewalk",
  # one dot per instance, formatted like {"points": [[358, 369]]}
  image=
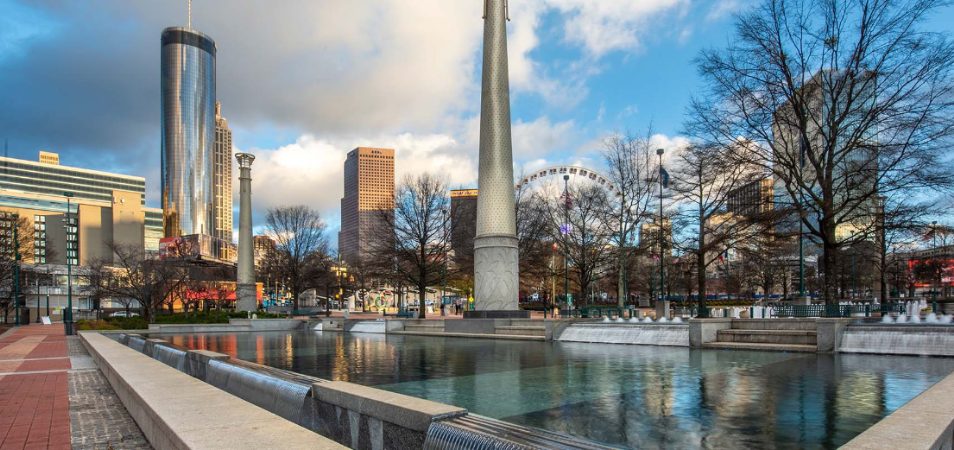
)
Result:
{"points": [[34, 402]]}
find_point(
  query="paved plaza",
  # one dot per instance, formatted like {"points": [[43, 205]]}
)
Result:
{"points": [[52, 396]]}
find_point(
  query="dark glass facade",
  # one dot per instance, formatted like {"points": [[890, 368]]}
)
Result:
{"points": [[188, 131]]}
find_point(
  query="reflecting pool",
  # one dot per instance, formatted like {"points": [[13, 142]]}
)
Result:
{"points": [[632, 396]]}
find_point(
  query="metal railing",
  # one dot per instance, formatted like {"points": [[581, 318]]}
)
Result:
{"points": [[796, 311]]}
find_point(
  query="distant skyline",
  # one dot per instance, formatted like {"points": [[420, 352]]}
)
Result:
{"points": [[304, 82]]}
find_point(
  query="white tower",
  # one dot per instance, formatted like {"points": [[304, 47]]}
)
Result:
{"points": [[495, 245]]}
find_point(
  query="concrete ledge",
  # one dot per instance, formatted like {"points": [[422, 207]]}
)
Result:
{"points": [[901, 339], [408, 412], [704, 331], [177, 411], [516, 337], [197, 328], [269, 324], [829, 332], [927, 422]]}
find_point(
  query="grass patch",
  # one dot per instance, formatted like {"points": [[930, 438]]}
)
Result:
{"points": [[113, 323], [138, 323]]}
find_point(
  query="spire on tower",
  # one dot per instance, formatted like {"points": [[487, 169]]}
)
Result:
{"points": [[189, 23]]}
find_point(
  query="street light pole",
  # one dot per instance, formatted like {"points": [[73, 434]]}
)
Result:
{"points": [[662, 257], [444, 266], [16, 269], [937, 268], [37, 297], [566, 250], [68, 314]]}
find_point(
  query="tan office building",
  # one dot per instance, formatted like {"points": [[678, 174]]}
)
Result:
{"points": [[104, 207], [368, 188]]}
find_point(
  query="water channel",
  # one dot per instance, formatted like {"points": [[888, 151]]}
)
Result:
{"points": [[623, 395]]}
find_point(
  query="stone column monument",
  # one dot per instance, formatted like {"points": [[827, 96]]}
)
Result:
{"points": [[245, 293], [495, 245]]}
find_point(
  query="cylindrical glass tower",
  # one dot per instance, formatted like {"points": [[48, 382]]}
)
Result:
{"points": [[188, 131]]}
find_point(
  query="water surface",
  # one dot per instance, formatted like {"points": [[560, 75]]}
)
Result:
{"points": [[630, 396]]}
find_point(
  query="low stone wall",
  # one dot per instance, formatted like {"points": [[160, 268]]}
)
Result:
{"points": [[925, 423], [920, 340], [176, 411], [704, 331], [269, 324], [234, 325], [626, 333], [366, 326]]}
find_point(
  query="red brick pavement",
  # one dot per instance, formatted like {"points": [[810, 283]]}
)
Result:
{"points": [[34, 407]]}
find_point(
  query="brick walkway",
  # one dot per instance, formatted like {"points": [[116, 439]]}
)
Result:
{"points": [[34, 402], [98, 418]]}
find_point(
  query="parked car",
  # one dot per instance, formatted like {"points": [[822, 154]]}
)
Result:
{"points": [[123, 314]]}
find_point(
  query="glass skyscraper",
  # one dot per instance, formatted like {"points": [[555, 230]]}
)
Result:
{"points": [[188, 131]]}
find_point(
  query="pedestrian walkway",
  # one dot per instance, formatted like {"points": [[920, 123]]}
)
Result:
{"points": [[34, 397]]}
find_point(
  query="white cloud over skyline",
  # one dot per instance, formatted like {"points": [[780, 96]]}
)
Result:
{"points": [[303, 82]]}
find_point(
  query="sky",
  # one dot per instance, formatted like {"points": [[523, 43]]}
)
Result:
{"points": [[302, 82]]}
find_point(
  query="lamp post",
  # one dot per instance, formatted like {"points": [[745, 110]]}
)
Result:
{"points": [[37, 298], [49, 280], [16, 269], [444, 266], [566, 250], [937, 268], [68, 314], [662, 257]]}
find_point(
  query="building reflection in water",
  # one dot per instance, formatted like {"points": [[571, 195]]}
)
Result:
{"points": [[633, 396]]}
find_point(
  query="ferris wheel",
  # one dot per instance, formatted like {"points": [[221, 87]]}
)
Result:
{"points": [[573, 171]]}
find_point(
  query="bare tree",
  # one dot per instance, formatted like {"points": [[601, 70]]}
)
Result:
{"points": [[703, 179], [847, 100], [633, 170], [577, 222], [533, 238], [9, 248], [301, 247], [132, 277], [413, 238]]}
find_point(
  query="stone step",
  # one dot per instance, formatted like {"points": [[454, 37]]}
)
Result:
{"points": [[774, 324], [424, 328], [521, 330], [798, 337], [424, 323], [764, 347]]}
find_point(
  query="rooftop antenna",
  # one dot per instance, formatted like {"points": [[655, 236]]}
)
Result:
{"points": [[189, 23]]}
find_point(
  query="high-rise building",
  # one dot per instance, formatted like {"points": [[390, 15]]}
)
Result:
{"points": [[752, 199], [222, 177], [264, 249], [50, 178], [188, 131], [463, 224], [368, 189], [103, 208], [852, 161]]}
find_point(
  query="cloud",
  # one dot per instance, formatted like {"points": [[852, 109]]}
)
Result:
{"points": [[304, 81], [541, 137], [722, 8], [310, 171], [604, 26]]}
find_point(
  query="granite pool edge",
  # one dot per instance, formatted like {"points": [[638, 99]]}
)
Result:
{"points": [[353, 415]]}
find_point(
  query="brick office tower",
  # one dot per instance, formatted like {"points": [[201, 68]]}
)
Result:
{"points": [[368, 188]]}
